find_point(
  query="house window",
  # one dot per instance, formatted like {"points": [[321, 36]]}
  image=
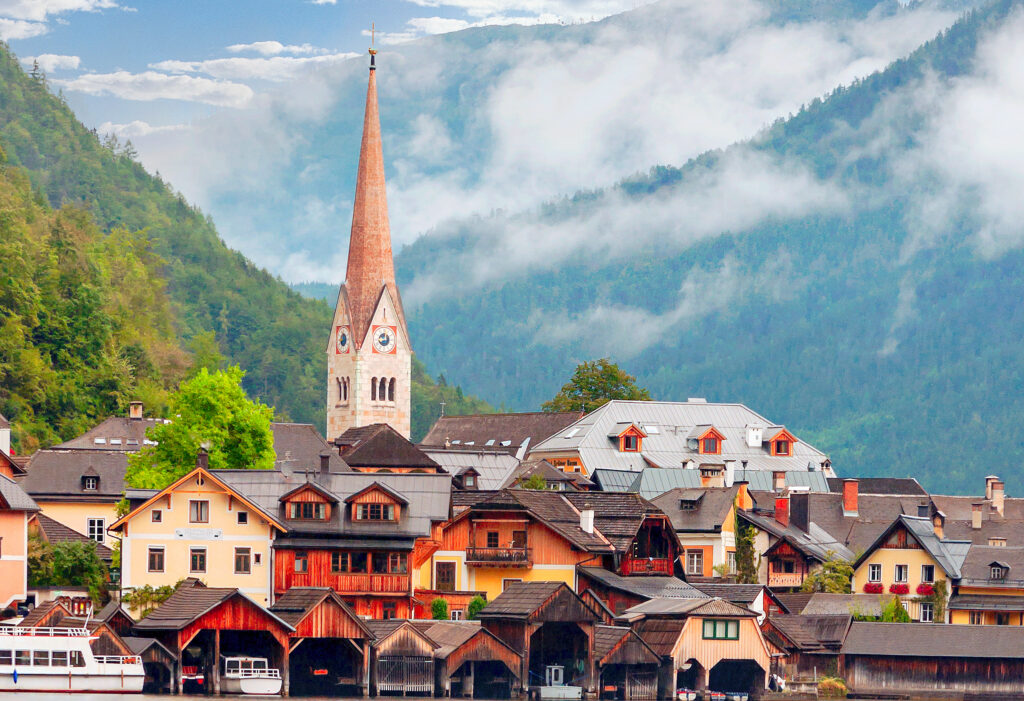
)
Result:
{"points": [[788, 566], [197, 559], [719, 629], [96, 529], [156, 515], [389, 610], [456, 614], [445, 578], [357, 563], [998, 572], [379, 562], [301, 562], [492, 539], [928, 574], [398, 563], [243, 561], [90, 483], [927, 612], [518, 539], [874, 573], [695, 562], [156, 560], [977, 618], [375, 512], [307, 510], [257, 558], [730, 558], [1002, 619], [339, 563], [709, 446], [199, 512], [243, 518], [469, 481], [997, 542], [630, 444], [506, 583], [782, 447], [901, 574]]}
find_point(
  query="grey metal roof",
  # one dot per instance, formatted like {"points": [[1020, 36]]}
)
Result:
{"points": [[816, 542], [429, 497], [613, 480], [948, 554], [115, 433], [15, 496], [494, 467], [668, 426], [646, 586], [762, 481], [655, 481], [985, 602]]}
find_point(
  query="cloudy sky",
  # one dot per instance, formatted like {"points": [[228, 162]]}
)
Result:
{"points": [[247, 107]]}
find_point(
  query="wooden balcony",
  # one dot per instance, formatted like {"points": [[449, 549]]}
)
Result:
{"points": [[785, 579], [346, 583], [498, 557], [645, 565]]}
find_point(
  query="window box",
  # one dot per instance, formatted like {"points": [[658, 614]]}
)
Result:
{"points": [[873, 588], [925, 589], [899, 589]]}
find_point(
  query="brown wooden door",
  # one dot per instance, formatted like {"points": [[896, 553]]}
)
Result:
{"points": [[445, 576], [518, 539]]}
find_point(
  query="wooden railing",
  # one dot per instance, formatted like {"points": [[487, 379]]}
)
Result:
{"points": [[346, 582], [498, 556], [645, 565], [785, 579]]}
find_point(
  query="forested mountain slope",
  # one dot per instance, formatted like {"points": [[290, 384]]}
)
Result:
{"points": [[855, 271]]}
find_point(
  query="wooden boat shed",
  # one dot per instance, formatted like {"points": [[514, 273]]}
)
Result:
{"points": [[627, 666], [549, 625], [402, 659], [158, 661], [471, 661]]}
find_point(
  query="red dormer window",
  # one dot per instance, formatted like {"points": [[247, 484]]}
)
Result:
{"points": [[307, 511], [709, 440], [782, 447], [710, 446], [781, 444], [630, 444]]}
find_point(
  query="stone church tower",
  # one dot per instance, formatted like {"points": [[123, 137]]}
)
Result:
{"points": [[369, 357]]}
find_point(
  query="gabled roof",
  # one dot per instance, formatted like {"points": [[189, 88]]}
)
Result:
{"points": [[623, 427], [116, 433], [112, 609], [190, 603], [948, 554], [550, 474], [736, 593], [905, 486], [44, 611], [379, 445], [608, 638], [298, 602], [55, 532], [378, 486], [506, 432], [298, 447], [13, 497], [814, 543], [319, 489], [648, 586], [794, 602], [139, 646], [384, 629], [524, 600], [681, 608], [714, 504], [813, 633], [660, 634], [915, 640], [493, 466]]}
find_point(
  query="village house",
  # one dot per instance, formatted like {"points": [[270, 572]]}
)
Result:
{"points": [[16, 509], [990, 590], [519, 535], [380, 448], [634, 435]]}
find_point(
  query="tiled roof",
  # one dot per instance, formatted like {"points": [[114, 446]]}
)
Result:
{"points": [[794, 602], [108, 611], [553, 510], [985, 602], [668, 426], [38, 613], [976, 565], [548, 472], [660, 634], [813, 632], [736, 593], [917, 640], [617, 516], [665, 607], [138, 646], [906, 486], [712, 506], [14, 496], [379, 445], [294, 604], [816, 543], [55, 532], [647, 586], [56, 472], [498, 431], [298, 447], [822, 604], [117, 433], [189, 603], [607, 637], [520, 599], [451, 635]]}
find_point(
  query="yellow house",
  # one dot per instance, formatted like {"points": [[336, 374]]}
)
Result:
{"points": [[199, 527], [990, 590], [911, 559]]}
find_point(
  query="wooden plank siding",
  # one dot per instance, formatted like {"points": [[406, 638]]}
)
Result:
{"points": [[318, 574], [692, 645], [237, 613], [483, 647], [906, 674], [406, 641], [328, 620], [546, 547]]}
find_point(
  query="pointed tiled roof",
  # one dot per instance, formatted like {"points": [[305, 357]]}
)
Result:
{"points": [[370, 263]]}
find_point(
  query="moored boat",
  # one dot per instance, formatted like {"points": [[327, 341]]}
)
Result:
{"points": [[250, 675], [61, 660]]}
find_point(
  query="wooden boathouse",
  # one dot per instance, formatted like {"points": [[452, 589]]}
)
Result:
{"points": [[627, 666], [402, 659], [471, 661]]}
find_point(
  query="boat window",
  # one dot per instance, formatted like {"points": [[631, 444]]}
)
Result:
{"points": [[259, 664], [232, 666], [41, 658], [59, 658], [246, 665], [5, 657], [23, 657], [77, 659]]}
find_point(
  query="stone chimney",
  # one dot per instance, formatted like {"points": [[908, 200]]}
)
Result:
{"points": [[998, 495], [743, 500], [135, 410], [938, 524], [782, 509], [587, 520], [976, 515], [850, 491], [325, 462], [755, 436], [712, 476], [203, 459], [778, 480]]}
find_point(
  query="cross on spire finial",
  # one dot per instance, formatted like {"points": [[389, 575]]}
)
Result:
{"points": [[373, 39]]}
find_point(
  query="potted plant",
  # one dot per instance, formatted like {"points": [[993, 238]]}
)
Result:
{"points": [[899, 589], [873, 588]]}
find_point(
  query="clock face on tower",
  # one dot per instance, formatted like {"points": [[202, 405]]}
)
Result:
{"points": [[384, 339], [342, 339]]}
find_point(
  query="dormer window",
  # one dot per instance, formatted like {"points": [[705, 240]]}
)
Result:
{"points": [[997, 542], [710, 446], [997, 572], [781, 442], [630, 444], [782, 448], [469, 481], [90, 483], [375, 512], [688, 504], [307, 511]]}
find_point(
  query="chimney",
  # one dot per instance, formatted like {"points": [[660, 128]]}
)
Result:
{"points": [[743, 496], [988, 485], [778, 480], [587, 520], [998, 493], [938, 524], [782, 509], [5, 437], [203, 459], [976, 515], [800, 510], [135, 410], [325, 462], [755, 436], [850, 489]]}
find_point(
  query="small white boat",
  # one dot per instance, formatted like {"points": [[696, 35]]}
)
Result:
{"points": [[686, 695], [250, 675], [61, 660]]}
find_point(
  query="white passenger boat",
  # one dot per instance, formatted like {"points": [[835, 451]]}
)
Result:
{"points": [[250, 675], [61, 660]]}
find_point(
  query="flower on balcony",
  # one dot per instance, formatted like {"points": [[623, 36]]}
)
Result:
{"points": [[899, 589], [873, 588], [925, 589]]}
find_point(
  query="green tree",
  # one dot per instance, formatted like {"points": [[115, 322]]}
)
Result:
{"points": [[210, 410], [893, 612], [746, 567], [67, 564], [534, 482], [833, 577], [439, 609], [476, 605], [594, 384]]}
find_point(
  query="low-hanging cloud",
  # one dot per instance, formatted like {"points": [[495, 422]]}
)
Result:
{"points": [[151, 85]]}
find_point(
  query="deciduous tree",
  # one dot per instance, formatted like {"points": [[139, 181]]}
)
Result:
{"points": [[594, 384]]}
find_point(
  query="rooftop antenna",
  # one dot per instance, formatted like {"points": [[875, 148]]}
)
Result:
{"points": [[442, 408]]}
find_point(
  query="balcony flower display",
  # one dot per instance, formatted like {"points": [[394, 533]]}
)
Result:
{"points": [[899, 589], [873, 588], [925, 589]]}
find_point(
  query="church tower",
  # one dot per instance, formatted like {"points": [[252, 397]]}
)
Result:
{"points": [[369, 357]]}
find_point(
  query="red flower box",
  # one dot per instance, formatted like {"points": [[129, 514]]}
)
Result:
{"points": [[899, 589], [873, 588], [925, 589]]}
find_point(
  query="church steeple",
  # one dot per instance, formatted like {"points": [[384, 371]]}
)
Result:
{"points": [[369, 357]]}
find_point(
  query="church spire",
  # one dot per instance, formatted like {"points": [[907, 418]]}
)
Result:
{"points": [[370, 265]]}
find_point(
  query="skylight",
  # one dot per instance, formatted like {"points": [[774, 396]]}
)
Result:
{"points": [[490, 442], [506, 443], [115, 441], [99, 441], [572, 432], [651, 429]]}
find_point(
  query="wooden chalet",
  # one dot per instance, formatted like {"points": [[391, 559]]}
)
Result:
{"points": [[329, 649], [553, 630], [627, 666], [810, 644], [471, 661], [402, 659]]}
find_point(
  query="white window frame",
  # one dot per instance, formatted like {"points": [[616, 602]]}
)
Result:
{"points": [[874, 572], [924, 577], [98, 536], [896, 574], [698, 556], [928, 617], [90, 480], [456, 614]]}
